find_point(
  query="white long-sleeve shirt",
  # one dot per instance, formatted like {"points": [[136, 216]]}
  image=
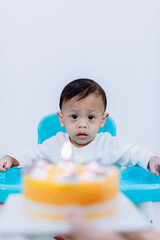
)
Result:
{"points": [[104, 148]]}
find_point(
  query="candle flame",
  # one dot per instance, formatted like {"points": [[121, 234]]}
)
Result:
{"points": [[66, 151]]}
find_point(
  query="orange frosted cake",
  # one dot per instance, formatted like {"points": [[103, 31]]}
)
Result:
{"points": [[51, 190]]}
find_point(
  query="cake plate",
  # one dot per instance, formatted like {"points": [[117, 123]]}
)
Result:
{"points": [[13, 221]]}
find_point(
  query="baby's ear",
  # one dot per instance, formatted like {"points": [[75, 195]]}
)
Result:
{"points": [[60, 116], [104, 118]]}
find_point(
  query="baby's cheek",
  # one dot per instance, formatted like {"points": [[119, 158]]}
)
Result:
{"points": [[70, 130]]}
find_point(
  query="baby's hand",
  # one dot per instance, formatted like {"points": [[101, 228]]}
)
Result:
{"points": [[154, 165], [7, 162]]}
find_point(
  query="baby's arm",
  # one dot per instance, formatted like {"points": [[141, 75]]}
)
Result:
{"points": [[7, 162], [26, 156], [154, 165], [45, 151], [129, 155]]}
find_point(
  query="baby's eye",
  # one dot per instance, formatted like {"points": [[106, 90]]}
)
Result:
{"points": [[74, 116], [90, 117]]}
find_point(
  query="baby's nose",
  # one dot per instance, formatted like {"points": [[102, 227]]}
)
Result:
{"points": [[82, 124]]}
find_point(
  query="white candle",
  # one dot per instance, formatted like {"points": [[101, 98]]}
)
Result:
{"points": [[69, 174], [66, 163], [66, 151]]}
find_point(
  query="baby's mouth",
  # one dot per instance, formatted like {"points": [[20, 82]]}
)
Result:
{"points": [[82, 135]]}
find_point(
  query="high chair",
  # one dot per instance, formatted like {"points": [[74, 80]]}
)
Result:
{"points": [[135, 182]]}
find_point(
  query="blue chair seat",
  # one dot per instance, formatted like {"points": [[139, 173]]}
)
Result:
{"points": [[139, 185], [10, 182]]}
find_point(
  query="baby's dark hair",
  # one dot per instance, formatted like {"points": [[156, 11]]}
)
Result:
{"points": [[82, 87]]}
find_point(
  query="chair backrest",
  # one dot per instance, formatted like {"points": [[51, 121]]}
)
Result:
{"points": [[50, 125]]}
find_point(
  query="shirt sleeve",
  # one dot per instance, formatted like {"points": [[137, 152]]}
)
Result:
{"points": [[25, 156], [129, 154], [40, 151], [49, 150]]}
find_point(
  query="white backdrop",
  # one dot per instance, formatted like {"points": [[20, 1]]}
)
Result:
{"points": [[46, 44]]}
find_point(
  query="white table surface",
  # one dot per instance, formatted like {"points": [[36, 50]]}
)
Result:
{"points": [[14, 221]]}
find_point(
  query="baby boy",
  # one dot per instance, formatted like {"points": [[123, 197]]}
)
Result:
{"points": [[83, 104]]}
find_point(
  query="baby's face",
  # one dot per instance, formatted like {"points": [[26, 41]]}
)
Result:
{"points": [[82, 119]]}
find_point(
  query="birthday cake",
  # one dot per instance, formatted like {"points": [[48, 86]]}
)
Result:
{"points": [[50, 191]]}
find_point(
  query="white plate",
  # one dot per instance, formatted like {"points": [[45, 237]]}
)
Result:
{"points": [[14, 221]]}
